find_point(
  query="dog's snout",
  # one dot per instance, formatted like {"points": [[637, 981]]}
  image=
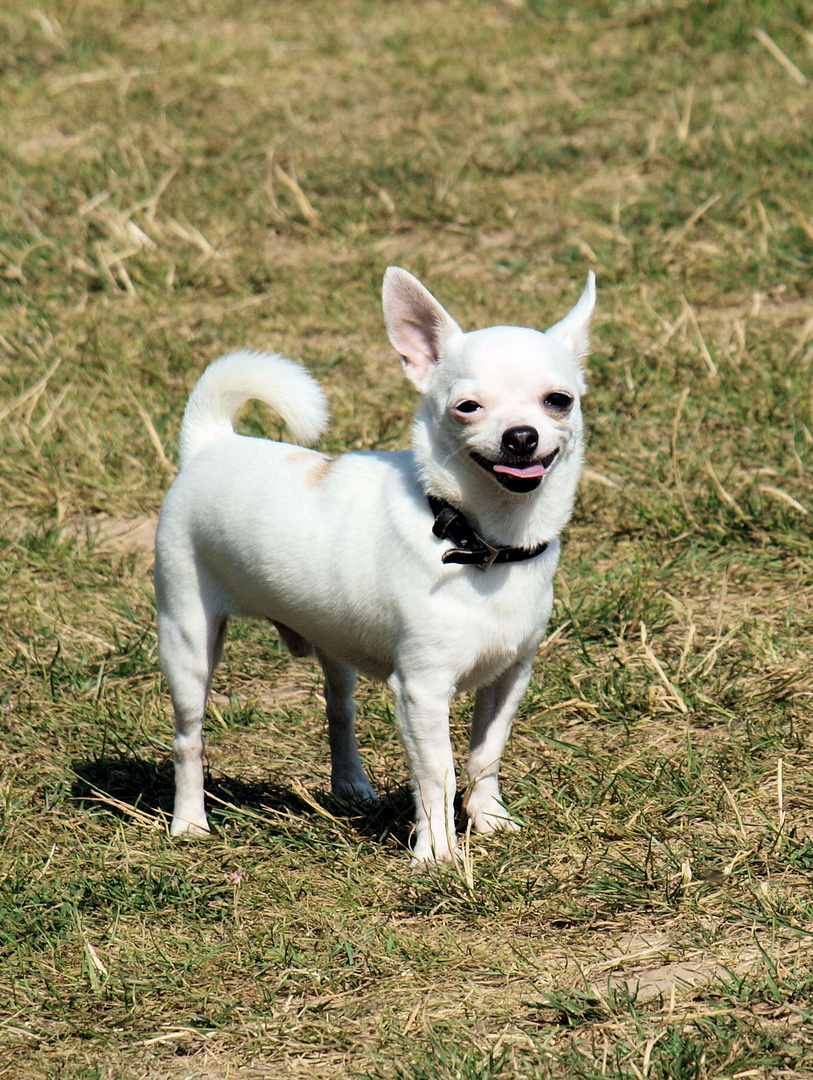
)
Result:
{"points": [[520, 441]]}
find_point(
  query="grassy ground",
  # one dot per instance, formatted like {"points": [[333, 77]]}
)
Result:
{"points": [[181, 180]]}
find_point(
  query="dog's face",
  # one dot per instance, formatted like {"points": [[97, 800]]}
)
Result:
{"points": [[501, 402], [507, 399]]}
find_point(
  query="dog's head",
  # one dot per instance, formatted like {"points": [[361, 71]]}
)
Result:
{"points": [[501, 406]]}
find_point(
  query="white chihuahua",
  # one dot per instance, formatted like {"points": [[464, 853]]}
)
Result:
{"points": [[375, 561]]}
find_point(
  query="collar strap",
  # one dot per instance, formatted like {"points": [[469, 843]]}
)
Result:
{"points": [[469, 547]]}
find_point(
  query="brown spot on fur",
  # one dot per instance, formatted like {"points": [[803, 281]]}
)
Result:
{"points": [[298, 455], [321, 468]]}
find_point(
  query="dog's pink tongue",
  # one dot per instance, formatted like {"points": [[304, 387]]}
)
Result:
{"points": [[529, 470]]}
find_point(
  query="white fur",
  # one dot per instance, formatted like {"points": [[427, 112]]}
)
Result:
{"points": [[340, 553]]}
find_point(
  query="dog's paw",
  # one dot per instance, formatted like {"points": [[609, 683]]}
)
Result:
{"points": [[181, 827], [488, 815], [357, 791], [427, 851]]}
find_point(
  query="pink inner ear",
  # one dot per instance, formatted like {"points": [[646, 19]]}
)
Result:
{"points": [[416, 323], [414, 344]]}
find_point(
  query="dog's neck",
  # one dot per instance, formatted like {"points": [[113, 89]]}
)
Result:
{"points": [[506, 519], [467, 546]]}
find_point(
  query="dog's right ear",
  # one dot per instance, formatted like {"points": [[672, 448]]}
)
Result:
{"points": [[417, 325]]}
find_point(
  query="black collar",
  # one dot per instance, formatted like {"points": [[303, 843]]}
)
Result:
{"points": [[469, 547]]}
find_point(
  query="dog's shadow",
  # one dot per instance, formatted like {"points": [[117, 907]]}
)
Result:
{"points": [[130, 786]]}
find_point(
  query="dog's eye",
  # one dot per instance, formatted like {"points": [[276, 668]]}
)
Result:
{"points": [[559, 402], [468, 407]]}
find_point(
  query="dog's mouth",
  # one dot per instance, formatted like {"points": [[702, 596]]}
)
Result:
{"points": [[517, 474]]}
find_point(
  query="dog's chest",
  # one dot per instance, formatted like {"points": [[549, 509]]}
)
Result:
{"points": [[488, 629]]}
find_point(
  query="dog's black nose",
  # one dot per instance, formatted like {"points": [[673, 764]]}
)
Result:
{"points": [[520, 441]]}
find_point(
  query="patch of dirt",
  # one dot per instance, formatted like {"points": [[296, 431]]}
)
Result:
{"points": [[630, 970], [668, 982], [127, 534]]}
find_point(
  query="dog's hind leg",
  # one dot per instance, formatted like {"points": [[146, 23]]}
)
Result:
{"points": [[348, 780], [297, 645], [190, 649], [494, 708]]}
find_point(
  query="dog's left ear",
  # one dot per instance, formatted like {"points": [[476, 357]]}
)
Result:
{"points": [[574, 330], [417, 325]]}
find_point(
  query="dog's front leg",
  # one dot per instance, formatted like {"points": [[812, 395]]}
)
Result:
{"points": [[422, 715], [494, 708]]}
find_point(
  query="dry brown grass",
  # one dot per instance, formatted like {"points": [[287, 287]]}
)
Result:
{"points": [[181, 182]]}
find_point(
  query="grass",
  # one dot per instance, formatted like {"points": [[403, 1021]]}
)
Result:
{"points": [[175, 184]]}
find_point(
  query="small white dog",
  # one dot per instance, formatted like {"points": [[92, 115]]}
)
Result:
{"points": [[376, 560]]}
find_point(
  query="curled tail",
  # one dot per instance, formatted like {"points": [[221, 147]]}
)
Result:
{"points": [[232, 380]]}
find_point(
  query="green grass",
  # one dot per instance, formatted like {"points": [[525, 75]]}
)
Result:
{"points": [[176, 183]]}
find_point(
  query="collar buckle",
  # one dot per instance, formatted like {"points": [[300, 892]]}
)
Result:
{"points": [[490, 557]]}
